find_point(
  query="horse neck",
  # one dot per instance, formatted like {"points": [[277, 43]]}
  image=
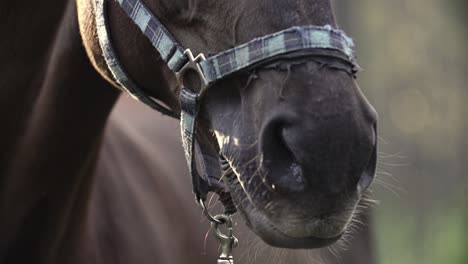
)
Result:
{"points": [[53, 110]]}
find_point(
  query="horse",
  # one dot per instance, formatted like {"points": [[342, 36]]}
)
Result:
{"points": [[55, 103]]}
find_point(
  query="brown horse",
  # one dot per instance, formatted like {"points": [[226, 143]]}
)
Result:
{"points": [[54, 107]]}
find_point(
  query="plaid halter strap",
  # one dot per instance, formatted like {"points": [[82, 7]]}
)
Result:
{"points": [[210, 69]]}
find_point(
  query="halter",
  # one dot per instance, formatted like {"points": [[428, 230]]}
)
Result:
{"points": [[214, 68]]}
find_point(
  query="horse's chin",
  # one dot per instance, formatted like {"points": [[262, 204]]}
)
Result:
{"points": [[290, 230], [272, 235]]}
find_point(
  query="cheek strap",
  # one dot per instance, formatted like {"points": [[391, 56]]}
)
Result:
{"points": [[201, 185]]}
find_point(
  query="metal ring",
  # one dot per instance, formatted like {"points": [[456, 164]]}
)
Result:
{"points": [[193, 63], [225, 239], [207, 213], [224, 219]]}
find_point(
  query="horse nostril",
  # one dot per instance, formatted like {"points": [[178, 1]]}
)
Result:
{"points": [[282, 170], [329, 156]]}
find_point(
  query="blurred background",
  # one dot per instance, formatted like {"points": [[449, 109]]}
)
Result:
{"points": [[414, 58]]}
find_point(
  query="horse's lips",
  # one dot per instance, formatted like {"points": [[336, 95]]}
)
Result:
{"points": [[273, 236]]}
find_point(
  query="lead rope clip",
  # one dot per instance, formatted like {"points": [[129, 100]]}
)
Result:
{"points": [[227, 241]]}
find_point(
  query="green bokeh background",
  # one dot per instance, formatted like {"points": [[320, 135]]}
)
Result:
{"points": [[415, 58]]}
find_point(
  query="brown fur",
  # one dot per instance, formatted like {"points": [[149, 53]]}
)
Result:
{"points": [[53, 111]]}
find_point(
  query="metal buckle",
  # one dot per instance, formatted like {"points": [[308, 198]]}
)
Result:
{"points": [[193, 64]]}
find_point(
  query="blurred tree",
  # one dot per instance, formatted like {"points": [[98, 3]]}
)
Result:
{"points": [[416, 63], [460, 9]]}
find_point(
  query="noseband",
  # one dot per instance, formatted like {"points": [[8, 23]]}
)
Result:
{"points": [[251, 55]]}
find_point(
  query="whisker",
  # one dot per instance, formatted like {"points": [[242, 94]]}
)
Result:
{"points": [[381, 171], [225, 173], [382, 139], [392, 188], [386, 156], [394, 164]]}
